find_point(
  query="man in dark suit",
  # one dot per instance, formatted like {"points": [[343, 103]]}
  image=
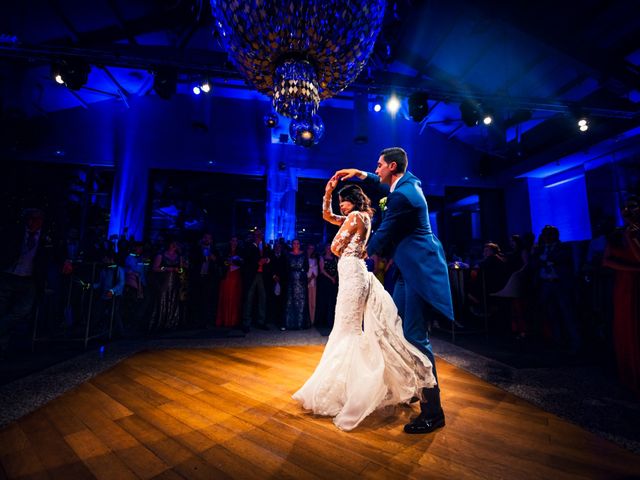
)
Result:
{"points": [[25, 253], [552, 264], [276, 285], [206, 271], [256, 257], [422, 293]]}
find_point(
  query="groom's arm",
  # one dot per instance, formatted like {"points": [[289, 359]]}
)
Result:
{"points": [[374, 180], [397, 217], [367, 177]]}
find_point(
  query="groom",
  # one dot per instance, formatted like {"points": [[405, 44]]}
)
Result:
{"points": [[422, 290]]}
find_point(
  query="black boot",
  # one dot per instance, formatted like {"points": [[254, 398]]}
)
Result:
{"points": [[431, 414]]}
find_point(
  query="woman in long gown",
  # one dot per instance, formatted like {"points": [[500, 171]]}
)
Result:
{"points": [[167, 268], [367, 363], [297, 311], [623, 256], [312, 283], [230, 299]]}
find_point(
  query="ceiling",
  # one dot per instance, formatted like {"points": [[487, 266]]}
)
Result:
{"points": [[537, 66]]}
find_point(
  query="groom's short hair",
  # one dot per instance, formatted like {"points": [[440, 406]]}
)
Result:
{"points": [[398, 155]]}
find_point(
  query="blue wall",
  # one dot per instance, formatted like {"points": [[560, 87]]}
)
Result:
{"points": [[227, 135], [561, 201]]}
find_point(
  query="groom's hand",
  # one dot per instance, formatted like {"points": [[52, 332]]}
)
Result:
{"points": [[347, 173]]}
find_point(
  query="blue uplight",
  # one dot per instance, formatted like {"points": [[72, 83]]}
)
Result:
{"points": [[561, 201]]}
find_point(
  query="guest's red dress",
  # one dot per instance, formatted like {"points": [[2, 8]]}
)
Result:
{"points": [[626, 315], [230, 300]]}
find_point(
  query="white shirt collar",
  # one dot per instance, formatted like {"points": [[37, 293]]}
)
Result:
{"points": [[393, 185]]}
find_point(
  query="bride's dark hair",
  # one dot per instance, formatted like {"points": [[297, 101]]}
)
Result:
{"points": [[354, 194]]}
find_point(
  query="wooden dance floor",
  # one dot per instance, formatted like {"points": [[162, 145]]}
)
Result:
{"points": [[227, 413]]}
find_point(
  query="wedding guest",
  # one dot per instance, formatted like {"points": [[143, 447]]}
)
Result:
{"points": [[167, 269], [230, 298], [297, 311]]}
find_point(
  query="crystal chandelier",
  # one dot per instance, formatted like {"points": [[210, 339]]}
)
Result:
{"points": [[299, 52]]}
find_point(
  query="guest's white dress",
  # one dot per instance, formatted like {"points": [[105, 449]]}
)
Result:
{"points": [[367, 363]]}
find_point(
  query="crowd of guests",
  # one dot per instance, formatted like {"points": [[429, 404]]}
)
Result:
{"points": [[241, 285], [579, 296], [541, 288], [138, 289]]}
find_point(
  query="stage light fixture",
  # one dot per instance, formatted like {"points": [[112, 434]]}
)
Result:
{"points": [[471, 112], [393, 105], [196, 90], [418, 106], [71, 73], [206, 86], [164, 83], [487, 120], [377, 104]]}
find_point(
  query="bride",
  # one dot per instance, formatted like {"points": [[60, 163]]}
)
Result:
{"points": [[367, 363]]}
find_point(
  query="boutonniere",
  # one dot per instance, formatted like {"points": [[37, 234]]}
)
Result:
{"points": [[383, 204]]}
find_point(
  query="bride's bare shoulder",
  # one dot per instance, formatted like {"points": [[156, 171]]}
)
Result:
{"points": [[358, 216]]}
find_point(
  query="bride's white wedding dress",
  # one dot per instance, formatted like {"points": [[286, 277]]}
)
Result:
{"points": [[367, 363]]}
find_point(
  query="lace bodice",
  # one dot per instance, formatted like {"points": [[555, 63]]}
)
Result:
{"points": [[355, 228]]}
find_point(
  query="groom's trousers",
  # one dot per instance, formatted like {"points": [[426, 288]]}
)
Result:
{"points": [[416, 314]]}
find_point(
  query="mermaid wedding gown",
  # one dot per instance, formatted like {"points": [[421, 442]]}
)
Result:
{"points": [[367, 363]]}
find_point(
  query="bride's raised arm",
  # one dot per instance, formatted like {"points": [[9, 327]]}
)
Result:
{"points": [[327, 212]]}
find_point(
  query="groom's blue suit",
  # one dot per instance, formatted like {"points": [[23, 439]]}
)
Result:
{"points": [[422, 291]]}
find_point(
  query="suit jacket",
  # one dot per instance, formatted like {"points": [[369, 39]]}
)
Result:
{"points": [[47, 255], [196, 258], [277, 266], [251, 256], [560, 258], [405, 235]]}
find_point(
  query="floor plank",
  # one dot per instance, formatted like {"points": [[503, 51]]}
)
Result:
{"points": [[228, 413]]}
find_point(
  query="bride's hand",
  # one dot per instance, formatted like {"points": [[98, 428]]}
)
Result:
{"points": [[331, 185]]}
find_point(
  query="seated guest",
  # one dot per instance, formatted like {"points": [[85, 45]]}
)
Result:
{"points": [[490, 276], [110, 286], [136, 295]]}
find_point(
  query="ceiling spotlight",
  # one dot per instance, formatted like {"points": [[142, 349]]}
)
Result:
{"points": [[393, 105], [377, 104], [206, 86], [583, 123], [71, 73], [196, 90], [487, 119], [418, 106], [271, 120], [164, 83]]}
